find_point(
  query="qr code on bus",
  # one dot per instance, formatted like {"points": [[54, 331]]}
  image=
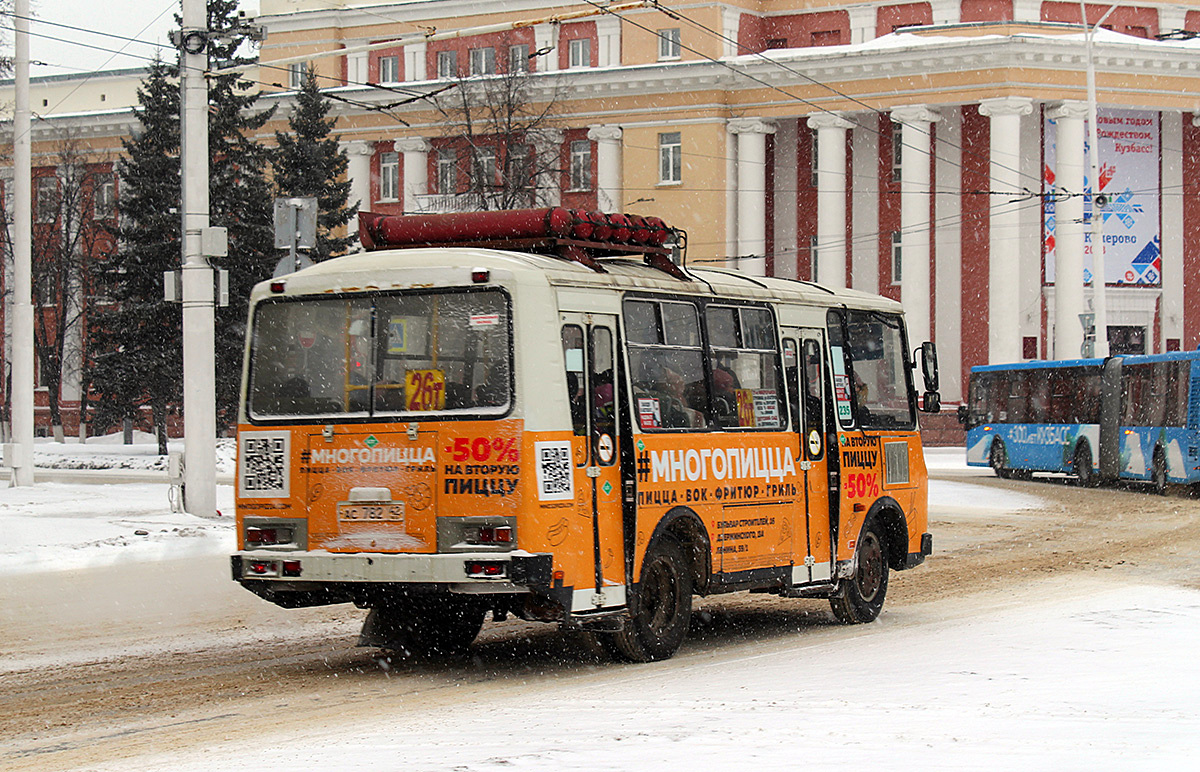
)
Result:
{"points": [[264, 459], [554, 471]]}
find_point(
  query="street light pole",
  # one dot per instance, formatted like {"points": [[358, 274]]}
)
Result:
{"points": [[1099, 275], [21, 396], [199, 368]]}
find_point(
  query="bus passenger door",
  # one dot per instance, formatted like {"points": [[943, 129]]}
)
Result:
{"points": [[805, 366], [590, 346]]}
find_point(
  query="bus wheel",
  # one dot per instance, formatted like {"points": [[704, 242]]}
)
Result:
{"points": [[860, 598], [662, 607], [424, 626], [1159, 476], [1083, 467], [998, 459]]}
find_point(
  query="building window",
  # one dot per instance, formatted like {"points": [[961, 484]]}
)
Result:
{"points": [[668, 43], [897, 258], [47, 198], [296, 75], [389, 176], [447, 171], [828, 37], [104, 201], [579, 52], [483, 61], [897, 151], [777, 43], [814, 161], [447, 64], [518, 58], [485, 167], [812, 252], [670, 158], [389, 69], [581, 165]]}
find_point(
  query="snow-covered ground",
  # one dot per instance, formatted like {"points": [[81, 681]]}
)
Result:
{"points": [[1099, 675]]}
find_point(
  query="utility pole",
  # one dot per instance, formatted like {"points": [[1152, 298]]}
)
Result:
{"points": [[199, 368], [19, 454]]}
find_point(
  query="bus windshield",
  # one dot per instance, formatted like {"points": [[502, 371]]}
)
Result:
{"points": [[412, 354], [871, 374]]}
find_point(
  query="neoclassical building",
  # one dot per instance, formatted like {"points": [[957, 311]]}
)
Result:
{"points": [[934, 152]]}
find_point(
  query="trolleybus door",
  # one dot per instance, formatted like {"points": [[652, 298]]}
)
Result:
{"points": [[590, 345], [806, 365]]}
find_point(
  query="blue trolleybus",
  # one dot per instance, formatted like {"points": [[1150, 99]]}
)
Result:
{"points": [[1102, 420]]}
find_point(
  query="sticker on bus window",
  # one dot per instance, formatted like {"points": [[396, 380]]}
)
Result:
{"points": [[555, 478], [766, 409], [397, 335], [649, 413], [424, 390], [484, 320], [745, 407]]}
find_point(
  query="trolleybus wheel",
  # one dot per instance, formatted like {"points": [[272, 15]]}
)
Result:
{"points": [[1159, 475], [861, 596], [1083, 466], [660, 610], [998, 459], [424, 626]]}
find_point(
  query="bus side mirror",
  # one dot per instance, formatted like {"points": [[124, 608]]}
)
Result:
{"points": [[929, 365], [931, 402], [962, 414]]}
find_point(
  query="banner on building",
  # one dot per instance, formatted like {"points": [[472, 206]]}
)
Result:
{"points": [[1129, 181]]}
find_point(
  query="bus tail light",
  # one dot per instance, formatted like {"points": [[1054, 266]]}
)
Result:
{"points": [[480, 275], [291, 568], [485, 569], [495, 534], [261, 536], [262, 567]]}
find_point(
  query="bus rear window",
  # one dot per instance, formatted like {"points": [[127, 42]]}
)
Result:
{"points": [[413, 355]]}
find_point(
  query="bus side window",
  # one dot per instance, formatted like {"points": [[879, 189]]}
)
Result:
{"points": [[791, 376], [814, 381], [572, 343]]}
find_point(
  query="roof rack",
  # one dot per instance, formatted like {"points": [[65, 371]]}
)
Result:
{"points": [[570, 234]]}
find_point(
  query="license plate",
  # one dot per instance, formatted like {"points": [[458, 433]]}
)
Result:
{"points": [[371, 512]]}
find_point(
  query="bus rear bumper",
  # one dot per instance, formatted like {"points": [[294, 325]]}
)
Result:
{"points": [[917, 558], [314, 578]]}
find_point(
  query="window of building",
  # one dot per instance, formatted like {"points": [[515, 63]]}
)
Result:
{"points": [[483, 61], [579, 53], [447, 171], [581, 165], [389, 69], [897, 152], [447, 64], [670, 157], [1137, 31], [46, 198], [777, 43], [897, 261], [485, 167], [518, 58], [668, 43], [389, 176], [814, 156], [296, 75], [813, 255], [829, 37], [104, 201]]}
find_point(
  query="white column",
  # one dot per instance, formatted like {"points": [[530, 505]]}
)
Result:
{"points": [[608, 167], [831, 197], [358, 172], [731, 19], [545, 36], [608, 33], [945, 11], [1171, 18], [416, 170], [915, 130], [414, 61], [1027, 10], [862, 23], [548, 146], [864, 206], [1068, 228], [752, 192], [947, 251], [1172, 212], [786, 197], [1004, 216]]}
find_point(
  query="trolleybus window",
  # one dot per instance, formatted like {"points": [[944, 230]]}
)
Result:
{"points": [[410, 354], [871, 374], [666, 364], [745, 377]]}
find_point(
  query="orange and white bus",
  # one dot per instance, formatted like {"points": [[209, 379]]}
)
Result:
{"points": [[579, 432]]}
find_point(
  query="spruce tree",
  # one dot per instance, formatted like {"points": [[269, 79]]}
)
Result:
{"points": [[308, 162], [135, 335]]}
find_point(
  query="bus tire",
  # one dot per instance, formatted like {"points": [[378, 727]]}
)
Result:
{"points": [[424, 626], [998, 460], [661, 609], [1083, 466], [860, 597], [1158, 475]]}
